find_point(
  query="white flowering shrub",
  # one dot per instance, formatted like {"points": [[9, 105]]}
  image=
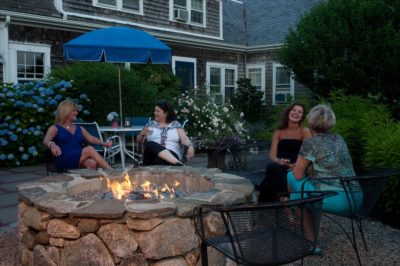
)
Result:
{"points": [[26, 111], [211, 124]]}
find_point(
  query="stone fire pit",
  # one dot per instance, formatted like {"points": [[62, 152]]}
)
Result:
{"points": [[57, 227]]}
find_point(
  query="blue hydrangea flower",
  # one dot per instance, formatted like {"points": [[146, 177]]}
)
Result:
{"points": [[83, 96], [10, 156], [53, 102], [12, 126], [25, 157], [86, 112], [14, 138], [58, 97], [25, 131], [21, 149], [3, 157], [40, 110], [19, 103], [10, 94], [37, 133], [32, 150], [67, 85], [3, 142]]}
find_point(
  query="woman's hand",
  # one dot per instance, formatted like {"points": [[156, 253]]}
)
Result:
{"points": [[108, 144], [190, 153], [55, 150]]}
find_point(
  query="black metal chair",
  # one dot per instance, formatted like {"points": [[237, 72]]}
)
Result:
{"points": [[362, 192], [265, 233]]}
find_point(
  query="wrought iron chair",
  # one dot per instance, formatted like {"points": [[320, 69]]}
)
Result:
{"points": [[362, 192], [271, 233], [107, 153]]}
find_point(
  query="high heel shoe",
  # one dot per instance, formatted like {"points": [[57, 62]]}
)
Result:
{"points": [[179, 164]]}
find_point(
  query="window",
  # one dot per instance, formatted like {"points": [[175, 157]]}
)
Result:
{"points": [[189, 11], [221, 80], [29, 61], [256, 74], [184, 69], [135, 6], [282, 84]]}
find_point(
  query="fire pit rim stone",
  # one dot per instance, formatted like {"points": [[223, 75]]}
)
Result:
{"points": [[55, 201]]}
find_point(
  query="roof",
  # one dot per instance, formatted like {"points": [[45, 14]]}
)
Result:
{"points": [[42, 7], [262, 22]]}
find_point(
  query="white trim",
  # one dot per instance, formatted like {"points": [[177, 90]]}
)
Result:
{"points": [[274, 67], [262, 66], [119, 7], [223, 67], [189, 60], [27, 47]]}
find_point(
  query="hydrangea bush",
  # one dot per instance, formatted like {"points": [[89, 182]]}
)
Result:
{"points": [[209, 124], [26, 111]]}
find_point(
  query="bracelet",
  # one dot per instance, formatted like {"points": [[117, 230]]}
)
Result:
{"points": [[49, 144]]}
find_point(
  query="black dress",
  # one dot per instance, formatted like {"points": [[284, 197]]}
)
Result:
{"points": [[275, 181]]}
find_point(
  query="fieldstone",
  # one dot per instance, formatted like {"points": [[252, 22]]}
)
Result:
{"points": [[88, 225], [58, 228], [143, 224], [135, 260], [26, 257], [185, 206], [177, 261], [28, 240], [57, 242], [35, 219], [57, 208], [229, 196], [241, 185], [54, 254], [119, 239], [41, 257], [173, 237], [101, 209], [192, 257], [214, 257], [121, 220], [150, 210], [42, 238], [22, 207], [89, 249]]}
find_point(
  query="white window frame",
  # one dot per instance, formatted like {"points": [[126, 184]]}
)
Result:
{"points": [[189, 60], [262, 67], [189, 9], [223, 67], [118, 7], [274, 72], [28, 47]]}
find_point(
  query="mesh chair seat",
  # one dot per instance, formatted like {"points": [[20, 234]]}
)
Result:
{"points": [[362, 191], [264, 233]]}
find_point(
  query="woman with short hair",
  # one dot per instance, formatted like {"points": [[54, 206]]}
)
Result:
{"points": [[325, 155]]}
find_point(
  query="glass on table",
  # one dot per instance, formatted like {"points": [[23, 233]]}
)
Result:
{"points": [[127, 122]]}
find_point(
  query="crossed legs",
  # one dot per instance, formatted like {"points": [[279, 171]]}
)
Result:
{"points": [[91, 159]]}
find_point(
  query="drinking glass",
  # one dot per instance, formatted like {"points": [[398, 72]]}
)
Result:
{"points": [[127, 122]]}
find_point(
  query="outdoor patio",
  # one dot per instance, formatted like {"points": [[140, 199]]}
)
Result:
{"points": [[383, 240]]}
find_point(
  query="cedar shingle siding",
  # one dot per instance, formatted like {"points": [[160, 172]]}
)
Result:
{"points": [[252, 30]]}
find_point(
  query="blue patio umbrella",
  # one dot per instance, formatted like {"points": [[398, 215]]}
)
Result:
{"points": [[118, 45]]}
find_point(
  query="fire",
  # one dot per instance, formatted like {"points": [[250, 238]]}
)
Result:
{"points": [[122, 189]]}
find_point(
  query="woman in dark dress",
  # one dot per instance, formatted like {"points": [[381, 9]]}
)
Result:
{"points": [[65, 141], [285, 146]]}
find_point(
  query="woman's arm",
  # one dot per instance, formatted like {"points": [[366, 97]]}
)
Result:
{"points": [[274, 148], [300, 167], [49, 143], [93, 140], [142, 135], [306, 132], [186, 142]]}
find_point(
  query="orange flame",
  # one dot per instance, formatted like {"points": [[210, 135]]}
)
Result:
{"points": [[122, 189]]}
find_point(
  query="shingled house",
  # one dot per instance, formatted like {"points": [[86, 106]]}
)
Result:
{"points": [[214, 42]]}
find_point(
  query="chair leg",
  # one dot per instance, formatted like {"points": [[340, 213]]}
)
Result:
{"points": [[204, 256], [360, 228], [355, 242]]}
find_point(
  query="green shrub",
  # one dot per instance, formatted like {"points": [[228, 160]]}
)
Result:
{"points": [[141, 87], [247, 99], [26, 111]]}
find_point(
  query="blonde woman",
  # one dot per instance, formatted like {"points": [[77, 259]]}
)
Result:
{"points": [[65, 141]]}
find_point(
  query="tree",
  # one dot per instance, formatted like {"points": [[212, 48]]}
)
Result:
{"points": [[247, 99], [349, 44]]}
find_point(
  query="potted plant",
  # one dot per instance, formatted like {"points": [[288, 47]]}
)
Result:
{"points": [[113, 118]]}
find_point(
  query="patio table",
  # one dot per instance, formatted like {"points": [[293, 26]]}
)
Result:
{"points": [[121, 131]]}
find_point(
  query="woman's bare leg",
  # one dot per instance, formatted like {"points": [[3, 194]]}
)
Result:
{"points": [[90, 152], [167, 156], [89, 163]]}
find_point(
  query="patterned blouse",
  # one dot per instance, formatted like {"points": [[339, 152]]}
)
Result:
{"points": [[166, 136], [329, 157]]}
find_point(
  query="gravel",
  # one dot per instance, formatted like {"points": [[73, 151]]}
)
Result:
{"points": [[383, 244]]}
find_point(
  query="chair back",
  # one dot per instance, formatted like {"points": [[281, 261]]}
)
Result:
{"points": [[264, 233], [140, 120], [94, 130]]}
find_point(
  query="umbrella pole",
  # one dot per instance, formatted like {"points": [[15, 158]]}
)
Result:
{"points": [[120, 94]]}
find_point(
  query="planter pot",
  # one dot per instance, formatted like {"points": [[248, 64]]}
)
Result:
{"points": [[216, 158], [114, 123]]}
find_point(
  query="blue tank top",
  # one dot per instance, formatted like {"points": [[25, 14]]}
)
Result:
{"points": [[71, 145]]}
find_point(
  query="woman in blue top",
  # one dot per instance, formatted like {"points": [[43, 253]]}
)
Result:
{"points": [[324, 155], [65, 141]]}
